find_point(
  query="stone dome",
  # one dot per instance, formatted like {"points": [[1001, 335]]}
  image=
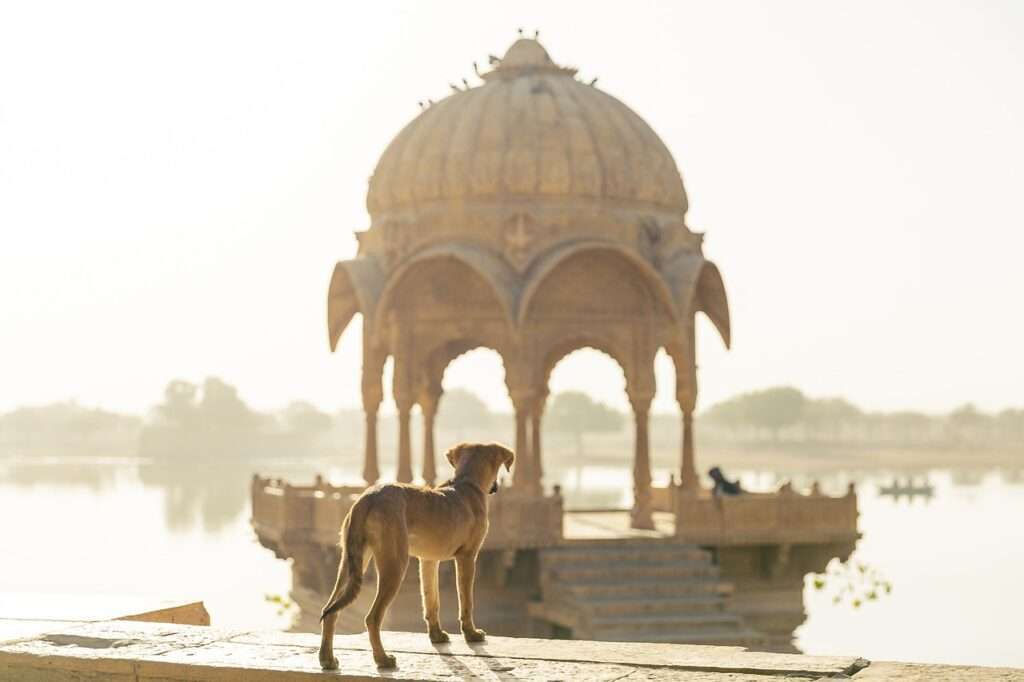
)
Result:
{"points": [[530, 130]]}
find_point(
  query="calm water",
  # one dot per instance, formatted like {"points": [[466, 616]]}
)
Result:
{"points": [[956, 561]]}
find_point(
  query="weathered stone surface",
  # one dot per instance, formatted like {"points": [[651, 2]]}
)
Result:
{"points": [[923, 672], [158, 652]]}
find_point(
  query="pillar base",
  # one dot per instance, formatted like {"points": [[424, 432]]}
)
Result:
{"points": [[641, 519]]}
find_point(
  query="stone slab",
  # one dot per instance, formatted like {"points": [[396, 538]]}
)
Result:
{"points": [[678, 656], [924, 672], [135, 651]]}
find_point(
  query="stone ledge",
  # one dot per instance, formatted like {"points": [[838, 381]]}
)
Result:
{"points": [[121, 650]]}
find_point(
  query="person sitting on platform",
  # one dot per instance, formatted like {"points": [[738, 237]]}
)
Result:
{"points": [[723, 486]]}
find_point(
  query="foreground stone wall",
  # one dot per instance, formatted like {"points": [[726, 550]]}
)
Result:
{"points": [[123, 651]]}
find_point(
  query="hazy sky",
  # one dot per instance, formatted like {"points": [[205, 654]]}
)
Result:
{"points": [[178, 179]]}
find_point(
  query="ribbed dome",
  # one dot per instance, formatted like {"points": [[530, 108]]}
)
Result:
{"points": [[530, 130]]}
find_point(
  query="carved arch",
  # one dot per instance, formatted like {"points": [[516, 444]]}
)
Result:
{"points": [[570, 343], [493, 270], [550, 261]]}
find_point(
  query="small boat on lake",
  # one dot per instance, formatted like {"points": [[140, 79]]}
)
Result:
{"points": [[907, 489]]}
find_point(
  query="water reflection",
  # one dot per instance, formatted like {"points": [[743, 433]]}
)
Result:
{"points": [[181, 523], [206, 491], [92, 473]]}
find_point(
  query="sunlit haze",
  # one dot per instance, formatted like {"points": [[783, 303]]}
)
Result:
{"points": [[177, 181]]}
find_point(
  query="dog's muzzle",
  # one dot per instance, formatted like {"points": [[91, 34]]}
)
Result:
{"points": [[494, 488]]}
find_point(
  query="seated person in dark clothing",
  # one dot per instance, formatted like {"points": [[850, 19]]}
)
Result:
{"points": [[722, 485]]}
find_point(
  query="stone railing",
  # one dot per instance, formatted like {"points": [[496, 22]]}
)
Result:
{"points": [[785, 516], [282, 513]]}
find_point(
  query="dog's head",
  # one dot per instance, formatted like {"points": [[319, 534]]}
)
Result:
{"points": [[481, 462]]}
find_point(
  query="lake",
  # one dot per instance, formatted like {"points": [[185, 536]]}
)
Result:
{"points": [[130, 527]]}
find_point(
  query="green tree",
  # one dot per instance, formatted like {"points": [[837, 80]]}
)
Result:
{"points": [[577, 413]]}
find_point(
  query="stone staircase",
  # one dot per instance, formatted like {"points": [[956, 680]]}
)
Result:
{"points": [[640, 591]]}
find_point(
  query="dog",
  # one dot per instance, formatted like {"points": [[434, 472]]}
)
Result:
{"points": [[392, 521]]}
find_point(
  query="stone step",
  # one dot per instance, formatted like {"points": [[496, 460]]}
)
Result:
{"points": [[651, 588], [694, 603], [666, 622], [602, 553], [631, 570]]}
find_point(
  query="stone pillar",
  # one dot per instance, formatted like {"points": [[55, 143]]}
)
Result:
{"points": [[523, 478], [428, 403], [373, 394], [643, 506], [686, 395], [371, 471], [404, 473], [536, 415], [688, 467]]}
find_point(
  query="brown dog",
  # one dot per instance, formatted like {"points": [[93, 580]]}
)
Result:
{"points": [[394, 521]]}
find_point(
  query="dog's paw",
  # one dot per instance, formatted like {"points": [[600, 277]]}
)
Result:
{"points": [[385, 661], [474, 635], [329, 665], [439, 637]]}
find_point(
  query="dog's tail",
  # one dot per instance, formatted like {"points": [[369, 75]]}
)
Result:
{"points": [[350, 572]]}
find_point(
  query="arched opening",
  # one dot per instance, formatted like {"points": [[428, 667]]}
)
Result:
{"points": [[585, 427], [474, 403], [438, 295]]}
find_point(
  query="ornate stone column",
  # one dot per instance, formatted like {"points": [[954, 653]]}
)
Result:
{"points": [[371, 471], [643, 506], [522, 391], [373, 394], [686, 395], [688, 467], [403, 388], [523, 478], [536, 416], [404, 473], [428, 403]]}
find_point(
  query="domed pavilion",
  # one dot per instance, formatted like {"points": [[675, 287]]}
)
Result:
{"points": [[532, 214]]}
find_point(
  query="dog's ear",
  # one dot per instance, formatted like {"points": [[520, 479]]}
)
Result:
{"points": [[508, 458], [454, 454]]}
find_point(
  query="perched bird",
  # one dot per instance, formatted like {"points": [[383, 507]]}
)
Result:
{"points": [[454, 88], [592, 82], [420, 103], [491, 59], [476, 69], [520, 32], [536, 34], [465, 83]]}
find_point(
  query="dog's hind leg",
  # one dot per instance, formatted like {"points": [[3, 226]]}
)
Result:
{"points": [[431, 601], [392, 560], [465, 573]]}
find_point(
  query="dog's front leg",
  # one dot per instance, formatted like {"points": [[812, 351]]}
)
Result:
{"points": [[431, 601], [465, 572]]}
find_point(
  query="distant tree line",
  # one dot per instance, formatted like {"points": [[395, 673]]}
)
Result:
{"points": [[212, 417], [784, 414], [54, 429]]}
